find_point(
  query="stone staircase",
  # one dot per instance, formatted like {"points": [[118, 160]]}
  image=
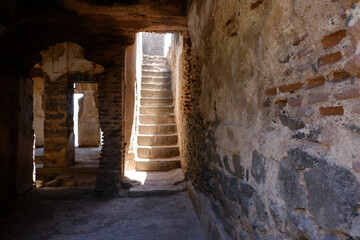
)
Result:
{"points": [[157, 137]]}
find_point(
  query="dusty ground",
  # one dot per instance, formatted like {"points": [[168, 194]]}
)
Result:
{"points": [[76, 213]]}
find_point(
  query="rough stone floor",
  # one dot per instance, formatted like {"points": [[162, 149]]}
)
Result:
{"points": [[76, 213]]}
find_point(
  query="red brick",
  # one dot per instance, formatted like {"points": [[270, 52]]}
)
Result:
{"points": [[298, 39], [271, 91], [305, 51], [256, 4], [333, 39], [291, 87], [296, 102], [347, 93], [303, 67], [331, 111], [340, 75], [281, 102], [330, 58], [317, 97], [315, 82]]}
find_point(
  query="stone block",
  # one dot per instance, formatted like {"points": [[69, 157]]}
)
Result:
{"points": [[301, 159], [296, 102], [318, 97], [347, 93], [333, 192], [258, 169], [291, 122], [289, 185]]}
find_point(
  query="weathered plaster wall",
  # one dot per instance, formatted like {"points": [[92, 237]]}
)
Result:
{"points": [[272, 129], [39, 114], [88, 123], [176, 59], [130, 81]]}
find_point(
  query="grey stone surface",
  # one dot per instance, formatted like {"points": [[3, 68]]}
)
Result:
{"points": [[260, 208], [239, 169], [301, 159], [311, 135], [277, 215], [289, 187], [333, 192], [258, 170], [355, 226], [75, 213], [291, 122]]}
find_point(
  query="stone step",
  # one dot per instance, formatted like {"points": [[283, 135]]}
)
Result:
{"points": [[156, 101], [156, 74], [151, 165], [152, 86], [154, 62], [156, 94], [156, 80], [153, 57], [157, 110], [155, 67], [157, 140], [157, 128], [154, 152], [157, 119]]}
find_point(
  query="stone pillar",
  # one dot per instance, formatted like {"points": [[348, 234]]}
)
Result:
{"points": [[17, 136], [111, 168], [39, 114], [130, 80], [88, 124], [59, 145]]}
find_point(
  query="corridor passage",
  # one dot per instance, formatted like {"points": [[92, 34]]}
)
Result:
{"points": [[76, 213]]}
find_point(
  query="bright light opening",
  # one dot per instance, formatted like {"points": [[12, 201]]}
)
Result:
{"points": [[167, 43], [77, 97]]}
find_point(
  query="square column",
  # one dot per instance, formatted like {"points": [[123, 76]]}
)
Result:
{"points": [[111, 168], [59, 142]]}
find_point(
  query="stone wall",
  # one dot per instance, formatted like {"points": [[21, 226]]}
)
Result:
{"points": [[17, 135], [88, 123], [271, 127], [39, 114]]}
